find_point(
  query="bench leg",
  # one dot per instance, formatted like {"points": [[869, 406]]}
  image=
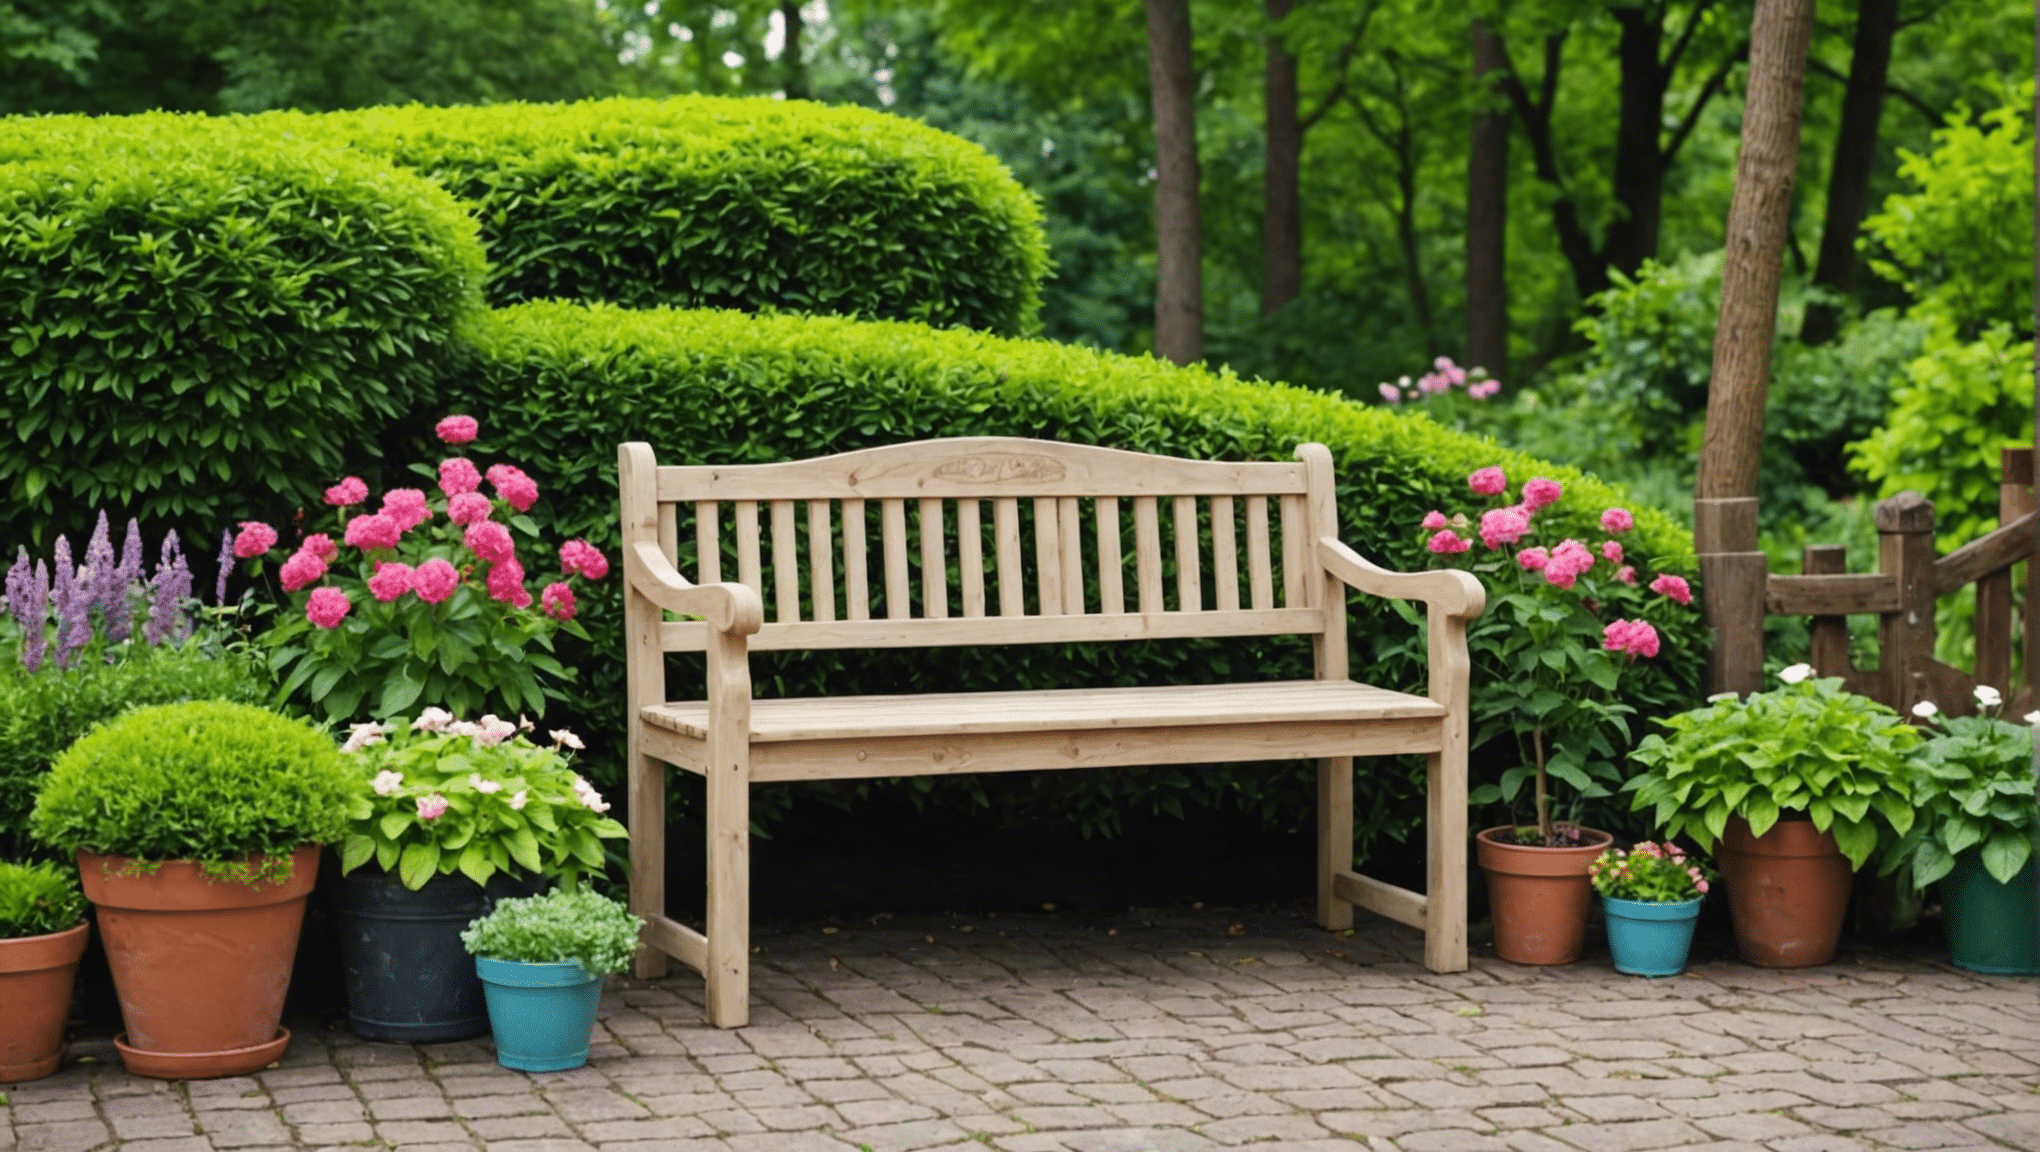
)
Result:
{"points": [[1445, 856], [647, 791], [728, 927], [1334, 838]]}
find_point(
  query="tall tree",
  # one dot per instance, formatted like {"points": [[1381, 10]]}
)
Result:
{"points": [[1179, 246], [792, 25], [1848, 190], [1487, 210]]}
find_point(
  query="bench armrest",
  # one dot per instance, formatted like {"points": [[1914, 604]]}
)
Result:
{"points": [[1455, 593], [730, 607]]}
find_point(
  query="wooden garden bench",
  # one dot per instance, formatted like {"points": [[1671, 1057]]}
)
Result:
{"points": [[1240, 570]]}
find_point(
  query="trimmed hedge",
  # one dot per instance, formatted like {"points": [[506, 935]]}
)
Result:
{"points": [[562, 384], [715, 202], [194, 315]]}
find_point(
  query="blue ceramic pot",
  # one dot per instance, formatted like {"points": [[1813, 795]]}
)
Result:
{"points": [[542, 1014], [1650, 939]]}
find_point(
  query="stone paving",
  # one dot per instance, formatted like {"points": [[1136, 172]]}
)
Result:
{"points": [[1150, 1031]]}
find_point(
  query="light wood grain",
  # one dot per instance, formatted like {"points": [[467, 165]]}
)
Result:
{"points": [[707, 544], [1111, 564], [1012, 581], [1147, 554], [750, 572], [1295, 554], [970, 547], [1225, 554], [684, 636], [821, 560], [1260, 563], [676, 940], [1382, 898], [934, 562], [785, 563], [892, 530], [1047, 558], [1069, 523], [645, 687], [1189, 577]]}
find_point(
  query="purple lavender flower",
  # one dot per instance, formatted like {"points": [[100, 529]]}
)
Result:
{"points": [[17, 588], [74, 606], [170, 588], [34, 614], [226, 566], [98, 574], [119, 607]]}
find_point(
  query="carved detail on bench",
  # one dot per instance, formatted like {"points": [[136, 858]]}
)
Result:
{"points": [[1002, 468]]}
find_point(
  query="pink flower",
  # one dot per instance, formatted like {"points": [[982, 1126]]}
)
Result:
{"points": [[1391, 393], [327, 607], [371, 532], [1625, 575], [407, 507], [1484, 389], [321, 545], [506, 584], [457, 429], [1539, 492], [347, 492], [431, 807], [1635, 637], [468, 507], [390, 581], [491, 541], [583, 558], [513, 485], [1488, 482], [1448, 541], [254, 539], [1499, 526], [1434, 520], [1533, 559], [435, 580], [1611, 551], [304, 567], [1568, 562], [1617, 520], [557, 601], [457, 476], [1673, 586]]}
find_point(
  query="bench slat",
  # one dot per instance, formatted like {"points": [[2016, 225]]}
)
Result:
{"points": [[970, 549], [1069, 522], [1260, 567], [1147, 553], [1006, 523], [1111, 568], [856, 576], [1047, 559], [785, 563], [934, 563], [821, 559], [1189, 580], [1295, 554], [707, 544], [691, 636], [892, 524], [1225, 555], [749, 572]]}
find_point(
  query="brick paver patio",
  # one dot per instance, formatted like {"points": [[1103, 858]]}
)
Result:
{"points": [[1150, 1031]]}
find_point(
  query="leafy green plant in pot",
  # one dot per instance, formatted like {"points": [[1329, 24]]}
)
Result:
{"points": [[42, 934], [447, 817], [1798, 786], [542, 959], [1973, 794], [1650, 895], [1565, 619], [197, 829]]}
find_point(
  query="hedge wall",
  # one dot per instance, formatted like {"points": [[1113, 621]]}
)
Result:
{"points": [[560, 385], [196, 318], [751, 204]]}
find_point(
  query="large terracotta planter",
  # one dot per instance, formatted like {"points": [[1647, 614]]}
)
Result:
{"points": [[200, 967], [1540, 897], [35, 1000], [1788, 892]]}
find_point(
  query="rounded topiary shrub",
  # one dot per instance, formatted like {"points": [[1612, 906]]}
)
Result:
{"points": [[207, 780]]}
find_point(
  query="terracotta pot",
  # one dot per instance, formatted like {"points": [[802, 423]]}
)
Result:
{"points": [[1540, 897], [1788, 891], [35, 1000], [201, 968]]}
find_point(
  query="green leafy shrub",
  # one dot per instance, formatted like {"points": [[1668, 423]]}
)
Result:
{"points": [[579, 925], [201, 321], [753, 204], [38, 899], [205, 780], [1973, 790]]}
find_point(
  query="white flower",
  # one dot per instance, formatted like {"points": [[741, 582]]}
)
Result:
{"points": [[588, 796], [1925, 710], [360, 736], [1796, 673], [387, 783], [483, 786], [463, 728], [2033, 718], [524, 723], [492, 731], [1718, 697], [561, 736], [432, 720], [1987, 696], [521, 799]]}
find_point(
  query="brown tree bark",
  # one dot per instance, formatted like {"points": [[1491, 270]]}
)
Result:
{"points": [[1848, 191], [1281, 182], [1179, 277], [795, 84], [1487, 216], [1639, 185], [1725, 497]]}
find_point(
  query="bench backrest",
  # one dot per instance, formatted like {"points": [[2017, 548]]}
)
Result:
{"points": [[996, 540]]}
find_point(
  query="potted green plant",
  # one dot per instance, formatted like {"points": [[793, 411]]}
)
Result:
{"points": [[447, 817], [1798, 786], [1973, 834], [197, 828], [542, 959], [1650, 896], [1565, 620], [42, 934]]}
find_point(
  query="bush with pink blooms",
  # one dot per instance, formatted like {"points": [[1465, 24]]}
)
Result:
{"points": [[1650, 872], [1566, 618], [419, 600]]}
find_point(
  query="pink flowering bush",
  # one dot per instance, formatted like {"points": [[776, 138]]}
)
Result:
{"points": [[424, 600], [1650, 872], [1444, 380], [1566, 618]]}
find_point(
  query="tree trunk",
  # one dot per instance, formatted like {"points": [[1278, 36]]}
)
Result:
{"points": [[1179, 277], [1281, 181], [1487, 217], [793, 67], [1639, 161], [1732, 570], [1848, 191]]}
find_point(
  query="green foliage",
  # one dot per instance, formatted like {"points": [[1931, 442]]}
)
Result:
{"points": [[753, 204], [1807, 748], [589, 929], [199, 318], [437, 797], [38, 899], [204, 780], [1651, 873], [42, 713], [1974, 790]]}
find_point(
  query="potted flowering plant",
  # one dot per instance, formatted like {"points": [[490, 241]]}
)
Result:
{"points": [[541, 960], [42, 934], [1976, 819], [423, 599], [1565, 620], [1651, 897], [448, 817], [1798, 785]]}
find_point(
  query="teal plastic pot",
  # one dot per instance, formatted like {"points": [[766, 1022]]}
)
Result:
{"points": [[1650, 939], [542, 1014], [1992, 927]]}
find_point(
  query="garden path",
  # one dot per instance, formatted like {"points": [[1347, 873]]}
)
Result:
{"points": [[1164, 1031]]}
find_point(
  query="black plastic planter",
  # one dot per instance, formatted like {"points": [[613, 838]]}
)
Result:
{"points": [[409, 980]]}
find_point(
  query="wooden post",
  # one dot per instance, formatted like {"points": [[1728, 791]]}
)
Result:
{"points": [[1732, 579], [1830, 634], [1905, 549], [2015, 499]]}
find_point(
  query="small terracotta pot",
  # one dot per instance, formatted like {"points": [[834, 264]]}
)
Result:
{"points": [[35, 999], [201, 968], [1540, 897], [1788, 892]]}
